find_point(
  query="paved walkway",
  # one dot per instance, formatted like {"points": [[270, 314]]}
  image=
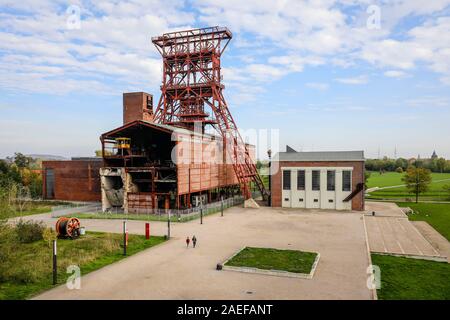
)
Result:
{"points": [[170, 271], [437, 240], [390, 231]]}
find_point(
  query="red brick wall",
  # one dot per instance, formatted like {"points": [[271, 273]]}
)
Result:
{"points": [[75, 180], [135, 107], [357, 177]]}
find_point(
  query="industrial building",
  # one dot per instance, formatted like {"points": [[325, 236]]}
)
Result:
{"points": [[188, 151], [72, 180], [165, 159], [148, 165], [318, 180]]}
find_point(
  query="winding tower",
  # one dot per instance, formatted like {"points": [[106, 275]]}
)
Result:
{"points": [[192, 85]]}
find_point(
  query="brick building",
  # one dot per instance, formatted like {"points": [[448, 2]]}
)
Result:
{"points": [[318, 180], [72, 180]]}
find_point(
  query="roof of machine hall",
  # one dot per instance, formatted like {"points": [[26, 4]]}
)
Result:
{"points": [[163, 127], [292, 155], [158, 126]]}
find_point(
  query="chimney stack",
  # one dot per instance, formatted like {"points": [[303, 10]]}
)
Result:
{"points": [[137, 106]]}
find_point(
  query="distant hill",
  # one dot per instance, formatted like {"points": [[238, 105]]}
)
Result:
{"points": [[46, 157]]}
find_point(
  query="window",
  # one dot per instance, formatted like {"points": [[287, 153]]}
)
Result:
{"points": [[316, 180], [301, 180], [346, 180], [149, 103], [316, 200], [300, 200], [330, 200], [331, 180], [286, 180]]}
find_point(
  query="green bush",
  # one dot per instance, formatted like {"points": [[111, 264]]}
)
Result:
{"points": [[49, 235], [29, 231]]}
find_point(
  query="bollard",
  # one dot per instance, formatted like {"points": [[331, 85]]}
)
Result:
{"points": [[125, 238], [147, 230], [201, 215], [168, 225], [55, 269], [221, 206]]}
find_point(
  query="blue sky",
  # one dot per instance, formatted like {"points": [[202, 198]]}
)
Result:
{"points": [[324, 73]]}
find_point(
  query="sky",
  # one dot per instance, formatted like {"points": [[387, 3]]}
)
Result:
{"points": [[320, 74]]}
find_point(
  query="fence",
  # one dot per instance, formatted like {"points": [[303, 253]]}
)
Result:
{"points": [[175, 215]]}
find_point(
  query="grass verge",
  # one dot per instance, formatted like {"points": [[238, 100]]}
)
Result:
{"points": [[412, 279], [30, 264], [30, 208], [274, 259]]}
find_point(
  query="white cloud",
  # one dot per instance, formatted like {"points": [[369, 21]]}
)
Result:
{"points": [[112, 50], [363, 79], [291, 35], [395, 74]]}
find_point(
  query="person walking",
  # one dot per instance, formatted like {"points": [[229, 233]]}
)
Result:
{"points": [[194, 241], [187, 242]]}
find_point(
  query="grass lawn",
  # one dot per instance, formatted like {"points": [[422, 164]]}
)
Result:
{"points": [[31, 264], [412, 279], [435, 192], [436, 214], [274, 259], [34, 207]]}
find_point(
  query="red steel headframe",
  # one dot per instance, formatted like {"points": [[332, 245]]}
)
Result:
{"points": [[191, 81]]}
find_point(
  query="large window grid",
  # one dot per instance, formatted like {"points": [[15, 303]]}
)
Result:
{"points": [[301, 180], [286, 179], [331, 180], [346, 180], [315, 180]]}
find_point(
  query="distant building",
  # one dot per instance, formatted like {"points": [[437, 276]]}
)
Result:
{"points": [[434, 155]]}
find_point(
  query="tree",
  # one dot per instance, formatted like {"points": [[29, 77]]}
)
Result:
{"points": [[447, 189], [440, 164], [258, 164], [22, 161], [417, 180], [401, 163], [366, 178]]}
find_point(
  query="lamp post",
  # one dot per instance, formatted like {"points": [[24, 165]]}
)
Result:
{"points": [[55, 268], [201, 214], [269, 153], [125, 237], [168, 224]]}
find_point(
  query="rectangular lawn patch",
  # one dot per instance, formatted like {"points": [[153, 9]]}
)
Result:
{"points": [[274, 259], [412, 279]]}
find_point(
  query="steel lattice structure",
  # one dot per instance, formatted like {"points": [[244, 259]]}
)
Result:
{"points": [[191, 82]]}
